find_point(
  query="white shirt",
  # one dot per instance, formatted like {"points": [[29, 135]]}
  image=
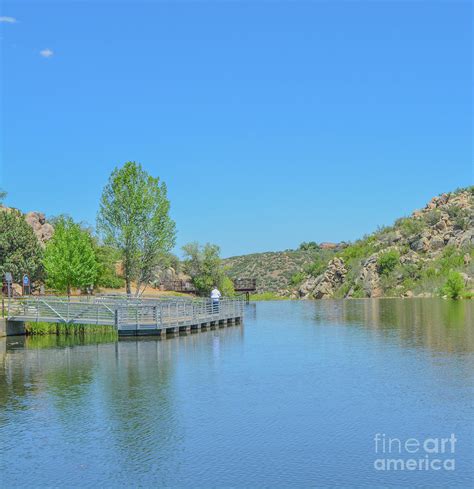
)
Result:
{"points": [[215, 294]]}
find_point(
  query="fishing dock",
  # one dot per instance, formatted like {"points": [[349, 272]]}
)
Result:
{"points": [[130, 316]]}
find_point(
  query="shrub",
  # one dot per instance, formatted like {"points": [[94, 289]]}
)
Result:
{"points": [[343, 290], [409, 226], [316, 268], [226, 286], [107, 259], [451, 258], [320, 263], [387, 261], [454, 286], [454, 211], [432, 217], [410, 271], [297, 278], [358, 292], [358, 251], [461, 221], [430, 272]]}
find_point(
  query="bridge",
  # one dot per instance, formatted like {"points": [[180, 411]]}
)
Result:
{"points": [[130, 316], [241, 285]]}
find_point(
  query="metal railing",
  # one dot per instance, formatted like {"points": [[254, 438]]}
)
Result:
{"points": [[123, 312]]}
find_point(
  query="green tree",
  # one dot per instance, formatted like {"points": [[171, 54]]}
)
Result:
{"points": [[3, 194], [307, 246], [20, 251], [134, 218], [69, 258], [204, 265], [454, 286]]}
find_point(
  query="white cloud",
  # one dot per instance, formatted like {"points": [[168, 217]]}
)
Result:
{"points": [[8, 20], [46, 53]]}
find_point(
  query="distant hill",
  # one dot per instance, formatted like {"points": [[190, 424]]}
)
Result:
{"points": [[411, 258], [273, 270]]}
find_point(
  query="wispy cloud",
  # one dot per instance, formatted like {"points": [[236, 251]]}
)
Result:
{"points": [[8, 20], [46, 53]]}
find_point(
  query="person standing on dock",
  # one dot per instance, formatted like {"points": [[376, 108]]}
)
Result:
{"points": [[215, 296]]}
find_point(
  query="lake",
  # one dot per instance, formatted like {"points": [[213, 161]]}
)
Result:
{"points": [[324, 393]]}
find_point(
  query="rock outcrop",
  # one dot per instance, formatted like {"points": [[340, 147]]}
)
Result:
{"points": [[42, 229], [324, 285], [418, 241]]}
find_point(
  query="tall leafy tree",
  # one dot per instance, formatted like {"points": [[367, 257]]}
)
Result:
{"points": [[69, 258], [3, 194], [134, 218], [20, 251], [204, 265]]}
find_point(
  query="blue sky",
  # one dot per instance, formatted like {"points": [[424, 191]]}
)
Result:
{"points": [[272, 123]]}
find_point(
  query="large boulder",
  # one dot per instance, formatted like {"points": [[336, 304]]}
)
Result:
{"points": [[436, 243], [42, 229]]}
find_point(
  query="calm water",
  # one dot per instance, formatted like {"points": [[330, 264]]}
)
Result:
{"points": [[293, 398]]}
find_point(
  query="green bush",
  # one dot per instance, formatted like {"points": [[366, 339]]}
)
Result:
{"points": [[450, 258], [410, 271], [297, 279], [359, 292], [454, 286], [430, 272], [320, 263], [461, 222], [107, 277], [432, 217], [387, 261], [410, 226], [358, 251], [226, 286], [342, 291], [454, 211]]}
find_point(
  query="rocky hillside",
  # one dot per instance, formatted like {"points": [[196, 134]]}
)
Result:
{"points": [[273, 270], [412, 257]]}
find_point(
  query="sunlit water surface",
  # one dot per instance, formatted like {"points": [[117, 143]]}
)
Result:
{"points": [[292, 398]]}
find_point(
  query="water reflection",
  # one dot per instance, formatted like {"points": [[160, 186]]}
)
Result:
{"points": [[440, 325]]}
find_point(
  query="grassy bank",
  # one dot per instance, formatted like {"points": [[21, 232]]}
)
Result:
{"points": [[39, 329]]}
